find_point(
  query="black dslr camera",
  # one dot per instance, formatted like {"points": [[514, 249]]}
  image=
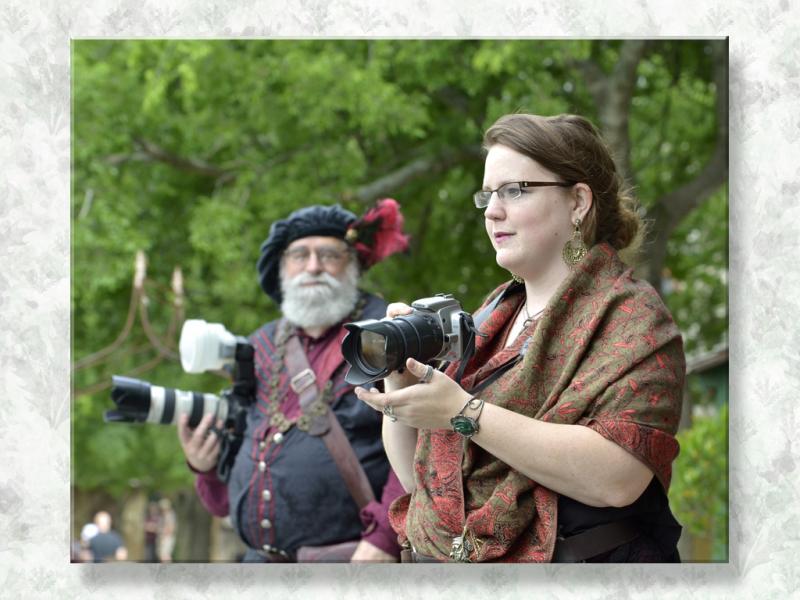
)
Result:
{"points": [[203, 347], [437, 329]]}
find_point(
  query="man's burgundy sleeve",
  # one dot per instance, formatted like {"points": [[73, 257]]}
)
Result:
{"points": [[213, 492], [374, 515]]}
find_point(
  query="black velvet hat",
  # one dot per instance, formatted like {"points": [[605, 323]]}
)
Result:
{"points": [[312, 220]]}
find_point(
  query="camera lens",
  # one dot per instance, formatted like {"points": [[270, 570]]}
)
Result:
{"points": [[140, 402], [376, 348], [372, 346]]}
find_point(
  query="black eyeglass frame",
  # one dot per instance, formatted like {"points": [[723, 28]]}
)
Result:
{"points": [[478, 197]]}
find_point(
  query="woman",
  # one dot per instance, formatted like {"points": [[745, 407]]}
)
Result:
{"points": [[557, 443]]}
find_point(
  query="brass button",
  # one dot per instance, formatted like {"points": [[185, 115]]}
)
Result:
{"points": [[262, 466], [266, 548], [262, 445], [266, 495], [277, 438], [266, 524]]}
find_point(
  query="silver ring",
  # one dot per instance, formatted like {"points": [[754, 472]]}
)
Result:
{"points": [[426, 378], [388, 411]]}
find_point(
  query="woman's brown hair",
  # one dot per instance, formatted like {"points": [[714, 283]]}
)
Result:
{"points": [[572, 148]]}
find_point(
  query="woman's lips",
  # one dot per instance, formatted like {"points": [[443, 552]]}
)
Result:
{"points": [[500, 237]]}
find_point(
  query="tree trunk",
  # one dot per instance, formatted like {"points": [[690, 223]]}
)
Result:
{"points": [[226, 546], [193, 529], [131, 524]]}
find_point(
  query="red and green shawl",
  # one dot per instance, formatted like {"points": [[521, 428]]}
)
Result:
{"points": [[605, 354]]}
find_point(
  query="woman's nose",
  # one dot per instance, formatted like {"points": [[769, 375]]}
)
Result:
{"points": [[494, 210]]}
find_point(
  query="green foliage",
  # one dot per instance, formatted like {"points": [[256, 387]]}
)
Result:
{"points": [[698, 494], [698, 269], [189, 150]]}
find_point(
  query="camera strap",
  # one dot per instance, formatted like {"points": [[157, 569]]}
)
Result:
{"points": [[326, 426], [473, 324], [502, 370], [468, 325]]}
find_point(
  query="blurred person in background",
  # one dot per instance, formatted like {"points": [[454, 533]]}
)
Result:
{"points": [[106, 545], [311, 482], [167, 524], [151, 522]]}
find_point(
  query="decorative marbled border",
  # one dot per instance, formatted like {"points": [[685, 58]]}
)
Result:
{"points": [[35, 283]]}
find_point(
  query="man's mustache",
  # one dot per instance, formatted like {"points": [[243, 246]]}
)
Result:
{"points": [[323, 278]]}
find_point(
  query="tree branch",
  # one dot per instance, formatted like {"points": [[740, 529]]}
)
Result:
{"points": [[420, 167], [191, 165], [682, 201], [671, 208], [150, 151]]}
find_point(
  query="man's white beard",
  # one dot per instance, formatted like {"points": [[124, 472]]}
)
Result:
{"points": [[320, 305]]}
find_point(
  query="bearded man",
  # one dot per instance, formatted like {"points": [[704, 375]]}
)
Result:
{"points": [[311, 481]]}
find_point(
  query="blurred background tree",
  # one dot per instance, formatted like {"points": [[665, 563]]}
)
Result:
{"points": [[188, 150]]}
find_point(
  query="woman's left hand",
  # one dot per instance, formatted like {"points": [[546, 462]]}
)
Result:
{"points": [[422, 405]]}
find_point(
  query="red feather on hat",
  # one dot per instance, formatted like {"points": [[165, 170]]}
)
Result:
{"points": [[378, 233]]}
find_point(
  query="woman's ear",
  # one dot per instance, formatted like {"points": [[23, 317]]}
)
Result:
{"points": [[582, 201]]}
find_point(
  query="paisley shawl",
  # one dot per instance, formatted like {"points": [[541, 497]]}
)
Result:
{"points": [[605, 354]]}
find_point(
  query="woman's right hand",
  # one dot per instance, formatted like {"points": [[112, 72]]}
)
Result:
{"points": [[200, 445], [395, 380]]}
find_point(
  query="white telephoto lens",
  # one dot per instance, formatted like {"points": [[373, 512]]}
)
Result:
{"points": [[205, 346]]}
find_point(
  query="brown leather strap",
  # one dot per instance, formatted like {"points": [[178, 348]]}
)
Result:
{"points": [[327, 426], [594, 541]]}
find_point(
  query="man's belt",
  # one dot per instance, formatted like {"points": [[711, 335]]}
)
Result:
{"points": [[274, 555], [331, 553]]}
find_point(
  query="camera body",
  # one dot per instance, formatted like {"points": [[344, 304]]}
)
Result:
{"points": [[447, 312], [436, 329]]}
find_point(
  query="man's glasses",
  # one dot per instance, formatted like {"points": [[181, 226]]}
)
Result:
{"points": [[330, 257], [512, 191]]}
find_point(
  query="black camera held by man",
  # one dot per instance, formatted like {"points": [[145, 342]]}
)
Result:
{"points": [[436, 329], [203, 347]]}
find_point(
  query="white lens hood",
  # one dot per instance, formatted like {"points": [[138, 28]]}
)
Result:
{"points": [[205, 346]]}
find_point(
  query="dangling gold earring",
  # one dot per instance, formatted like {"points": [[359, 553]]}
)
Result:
{"points": [[574, 249], [516, 278]]}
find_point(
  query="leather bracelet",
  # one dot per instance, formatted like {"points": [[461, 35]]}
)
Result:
{"points": [[464, 425]]}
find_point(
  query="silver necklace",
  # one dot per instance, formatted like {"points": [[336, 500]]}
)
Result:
{"points": [[529, 317]]}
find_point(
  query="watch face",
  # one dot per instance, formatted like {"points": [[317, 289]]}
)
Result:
{"points": [[466, 426]]}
